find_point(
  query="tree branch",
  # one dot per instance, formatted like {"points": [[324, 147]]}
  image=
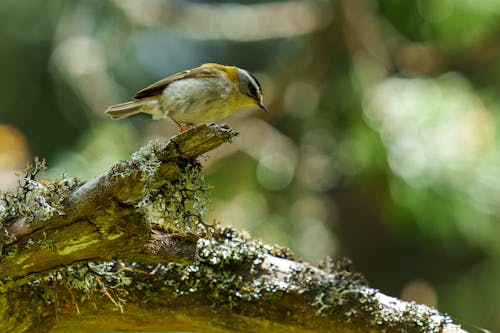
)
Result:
{"points": [[100, 219], [127, 251]]}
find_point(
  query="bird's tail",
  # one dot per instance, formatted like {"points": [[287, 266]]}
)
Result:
{"points": [[123, 110]]}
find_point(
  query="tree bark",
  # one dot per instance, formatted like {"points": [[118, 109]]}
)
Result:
{"points": [[129, 250]]}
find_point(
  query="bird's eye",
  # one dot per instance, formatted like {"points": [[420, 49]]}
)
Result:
{"points": [[252, 91], [255, 88]]}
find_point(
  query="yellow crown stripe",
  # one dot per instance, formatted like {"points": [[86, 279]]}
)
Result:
{"points": [[231, 71]]}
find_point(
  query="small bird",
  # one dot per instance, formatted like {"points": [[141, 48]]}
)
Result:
{"points": [[204, 94]]}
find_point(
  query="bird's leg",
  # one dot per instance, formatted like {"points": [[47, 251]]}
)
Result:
{"points": [[182, 127]]}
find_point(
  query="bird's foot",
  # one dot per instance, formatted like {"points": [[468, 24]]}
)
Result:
{"points": [[184, 128]]}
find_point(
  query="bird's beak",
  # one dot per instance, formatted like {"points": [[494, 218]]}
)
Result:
{"points": [[263, 107]]}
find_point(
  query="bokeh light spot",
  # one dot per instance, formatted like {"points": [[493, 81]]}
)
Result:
{"points": [[301, 99], [275, 171], [419, 291], [315, 240], [435, 10]]}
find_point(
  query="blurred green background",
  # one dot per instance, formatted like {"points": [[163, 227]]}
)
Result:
{"points": [[381, 144]]}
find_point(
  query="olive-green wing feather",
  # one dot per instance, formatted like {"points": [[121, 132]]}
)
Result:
{"points": [[158, 87]]}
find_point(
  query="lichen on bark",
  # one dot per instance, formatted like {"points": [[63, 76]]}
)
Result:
{"points": [[130, 250]]}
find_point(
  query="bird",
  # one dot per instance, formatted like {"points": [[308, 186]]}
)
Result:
{"points": [[205, 94]]}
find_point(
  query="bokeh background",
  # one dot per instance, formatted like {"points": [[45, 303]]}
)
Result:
{"points": [[382, 142]]}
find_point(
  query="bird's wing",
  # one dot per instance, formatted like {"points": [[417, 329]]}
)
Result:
{"points": [[158, 87]]}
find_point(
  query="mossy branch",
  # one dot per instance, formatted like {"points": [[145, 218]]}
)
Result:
{"points": [[100, 219], [129, 250]]}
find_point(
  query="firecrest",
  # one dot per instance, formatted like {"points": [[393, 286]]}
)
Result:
{"points": [[203, 94]]}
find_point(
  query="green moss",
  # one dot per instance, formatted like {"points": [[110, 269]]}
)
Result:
{"points": [[144, 162], [224, 260], [180, 205], [46, 244], [12, 254], [34, 199], [29, 243], [88, 279], [222, 248]]}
